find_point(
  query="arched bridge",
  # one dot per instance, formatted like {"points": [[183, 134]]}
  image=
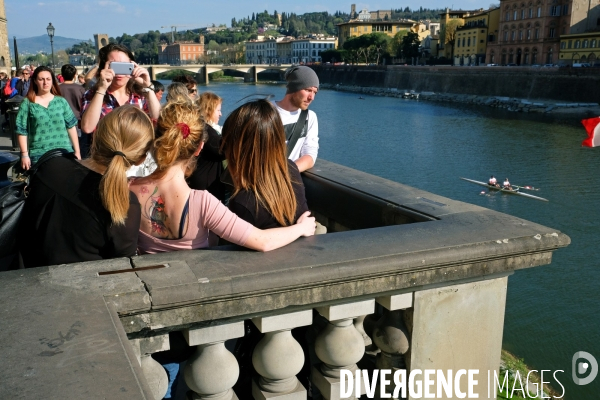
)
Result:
{"points": [[202, 70]]}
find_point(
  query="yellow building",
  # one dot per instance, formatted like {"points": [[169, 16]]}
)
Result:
{"points": [[472, 38], [356, 28], [579, 48], [447, 18]]}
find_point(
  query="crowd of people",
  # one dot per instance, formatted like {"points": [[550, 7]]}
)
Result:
{"points": [[141, 178], [201, 183]]}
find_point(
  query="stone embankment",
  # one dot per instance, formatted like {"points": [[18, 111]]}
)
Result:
{"points": [[560, 109]]}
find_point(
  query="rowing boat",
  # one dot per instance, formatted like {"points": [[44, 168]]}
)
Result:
{"points": [[502, 190]]}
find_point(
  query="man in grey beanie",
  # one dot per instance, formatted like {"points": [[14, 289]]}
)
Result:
{"points": [[302, 135]]}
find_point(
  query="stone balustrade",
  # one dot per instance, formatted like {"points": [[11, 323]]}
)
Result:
{"points": [[404, 279]]}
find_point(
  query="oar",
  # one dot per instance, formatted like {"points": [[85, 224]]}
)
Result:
{"points": [[526, 187]]}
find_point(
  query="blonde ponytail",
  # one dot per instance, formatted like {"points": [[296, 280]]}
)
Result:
{"points": [[122, 139]]}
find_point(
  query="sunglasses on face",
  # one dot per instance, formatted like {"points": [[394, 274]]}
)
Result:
{"points": [[190, 91]]}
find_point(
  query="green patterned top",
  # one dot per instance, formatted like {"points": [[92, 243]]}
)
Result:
{"points": [[46, 127]]}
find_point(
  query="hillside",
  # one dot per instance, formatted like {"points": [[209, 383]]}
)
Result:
{"points": [[36, 44]]}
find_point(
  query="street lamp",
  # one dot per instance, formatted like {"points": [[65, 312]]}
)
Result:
{"points": [[50, 30]]}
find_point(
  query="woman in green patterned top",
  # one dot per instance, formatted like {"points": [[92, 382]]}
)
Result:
{"points": [[45, 120]]}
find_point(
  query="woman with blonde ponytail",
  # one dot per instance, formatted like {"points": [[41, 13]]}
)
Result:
{"points": [[83, 210], [175, 217]]}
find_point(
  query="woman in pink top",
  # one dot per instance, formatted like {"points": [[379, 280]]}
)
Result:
{"points": [[175, 217]]}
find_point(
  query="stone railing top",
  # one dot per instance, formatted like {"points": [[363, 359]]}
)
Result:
{"points": [[57, 319], [457, 241]]}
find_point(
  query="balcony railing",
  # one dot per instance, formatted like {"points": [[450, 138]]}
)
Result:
{"points": [[404, 279]]}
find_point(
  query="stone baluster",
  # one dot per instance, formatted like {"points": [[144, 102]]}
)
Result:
{"points": [[391, 334], [278, 357], [212, 371], [155, 374], [339, 346]]}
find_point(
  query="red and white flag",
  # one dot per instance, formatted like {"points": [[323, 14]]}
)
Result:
{"points": [[592, 126]]}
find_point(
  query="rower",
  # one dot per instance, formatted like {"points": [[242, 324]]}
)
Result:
{"points": [[506, 184], [493, 182]]}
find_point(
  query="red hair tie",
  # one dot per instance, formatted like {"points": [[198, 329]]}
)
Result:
{"points": [[184, 128]]}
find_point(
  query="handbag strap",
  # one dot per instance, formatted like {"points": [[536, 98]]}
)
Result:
{"points": [[47, 156], [296, 132]]}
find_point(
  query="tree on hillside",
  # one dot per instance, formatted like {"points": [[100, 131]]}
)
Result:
{"points": [[396, 43], [449, 33], [410, 45], [369, 46]]}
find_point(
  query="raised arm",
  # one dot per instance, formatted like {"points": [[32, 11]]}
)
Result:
{"points": [[142, 76], [91, 112], [271, 239]]}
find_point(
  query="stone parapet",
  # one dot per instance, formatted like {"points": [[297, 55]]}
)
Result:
{"points": [[414, 252]]}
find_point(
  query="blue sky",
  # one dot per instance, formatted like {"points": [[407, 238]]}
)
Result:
{"points": [[81, 19]]}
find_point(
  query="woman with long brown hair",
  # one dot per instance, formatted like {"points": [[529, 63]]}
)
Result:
{"points": [[45, 120], [83, 210], [268, 189], [175, 217], [209, 166]]}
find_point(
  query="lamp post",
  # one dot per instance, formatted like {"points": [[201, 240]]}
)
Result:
{"points": [[50, 30]]}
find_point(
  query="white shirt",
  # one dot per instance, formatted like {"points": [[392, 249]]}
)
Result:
{"points": [[308, 145]]}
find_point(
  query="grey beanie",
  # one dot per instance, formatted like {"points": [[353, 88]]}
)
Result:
{"points": [[300, 77]]}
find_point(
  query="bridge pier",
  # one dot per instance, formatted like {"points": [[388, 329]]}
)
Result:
{"points": [[152, 73], [251, 76]]}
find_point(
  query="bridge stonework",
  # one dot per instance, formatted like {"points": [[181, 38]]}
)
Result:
{"points": [[5, 61], [202, 71]]}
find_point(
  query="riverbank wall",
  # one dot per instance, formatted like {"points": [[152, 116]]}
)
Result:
{"points": [[558, 84], [553, 111]]}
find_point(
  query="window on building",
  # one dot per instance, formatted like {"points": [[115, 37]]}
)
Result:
{"points": [[522, 14], [576, 44], [528, 34], [585, 44], [570, 44], [537, 33], [468, 41], [463, 42], [515, 15], [539, 12], [507, 17], [458, 43], [506, 36], [513, 34], [530, 12], [520, 35], [563, 44], [565, 9], [534, 56], [551, 32], [593, 43], [555, 11]]}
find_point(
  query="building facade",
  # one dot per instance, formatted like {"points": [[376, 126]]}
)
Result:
{"points": [[356, 28], [286, 50], [531, 32], [450, 19], [5, 60], [580, 48], [181, 52], [472, 38]]}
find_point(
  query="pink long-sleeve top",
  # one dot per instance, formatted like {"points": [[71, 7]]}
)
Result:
{"points": [[206, 213]]}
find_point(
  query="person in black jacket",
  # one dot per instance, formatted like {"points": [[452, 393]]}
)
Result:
{"points": [[268, 189], [83, 210], [209, 166]]}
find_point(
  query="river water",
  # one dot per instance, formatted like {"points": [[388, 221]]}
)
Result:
{"points": [[552, 311]]}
